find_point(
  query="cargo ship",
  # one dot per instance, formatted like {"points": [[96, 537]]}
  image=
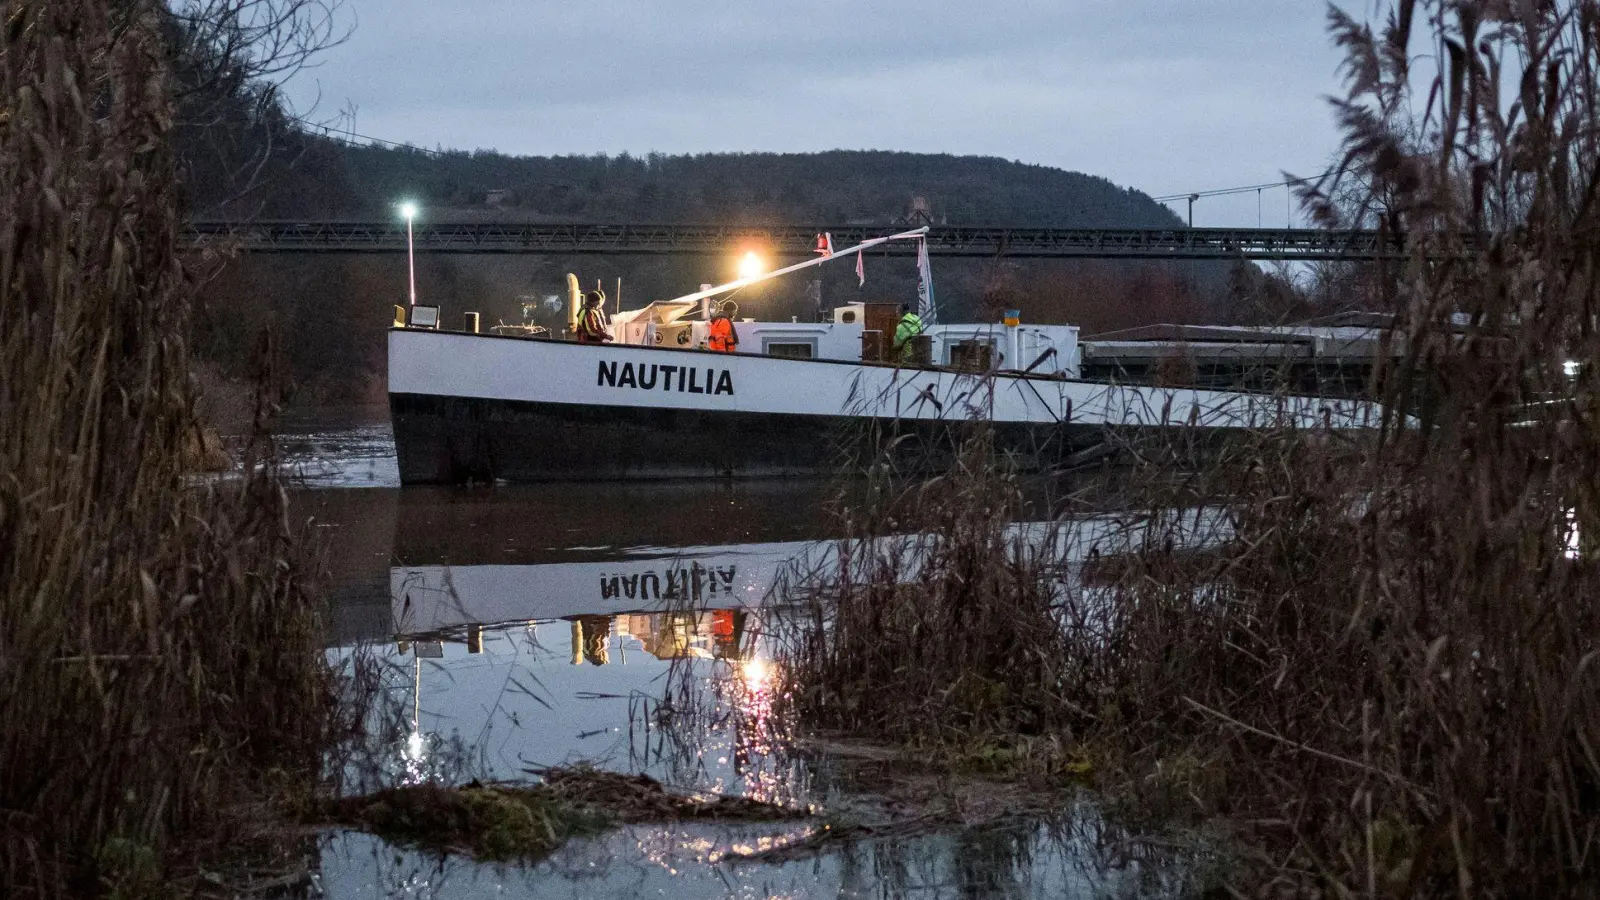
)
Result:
{"points": [[796, 399]]}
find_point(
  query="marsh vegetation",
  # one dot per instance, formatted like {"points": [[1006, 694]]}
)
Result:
{"points": [[1385, 680], [160, 656]]}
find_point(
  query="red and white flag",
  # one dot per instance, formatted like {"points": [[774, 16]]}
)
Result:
{"points": [[825, 244], [861, 269]]}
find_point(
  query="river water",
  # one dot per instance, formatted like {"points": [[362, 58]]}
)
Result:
{"points": [[619, 626]]}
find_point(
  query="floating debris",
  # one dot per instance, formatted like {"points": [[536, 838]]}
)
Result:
{"points": [[636, 799], [483, 822], [504, 822]]}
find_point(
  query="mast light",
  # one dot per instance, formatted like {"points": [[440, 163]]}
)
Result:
{"points": [[752, 265]]}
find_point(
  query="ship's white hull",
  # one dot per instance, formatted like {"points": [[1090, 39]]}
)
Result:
{"points": [[487, 407]]}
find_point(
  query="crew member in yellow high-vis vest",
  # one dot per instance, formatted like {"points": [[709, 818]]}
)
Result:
{"points": [[910, 326]]}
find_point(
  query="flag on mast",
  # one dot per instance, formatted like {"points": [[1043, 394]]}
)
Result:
{"points": [[825, 244], [861, 270], [926, 310]]}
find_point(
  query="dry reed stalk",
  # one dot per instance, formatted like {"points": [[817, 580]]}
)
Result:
{"points": [[157, 647], [1391, 670], [933, 622]]}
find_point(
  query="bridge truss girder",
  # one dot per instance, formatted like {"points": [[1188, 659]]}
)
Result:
{"points": [[794, 240]]}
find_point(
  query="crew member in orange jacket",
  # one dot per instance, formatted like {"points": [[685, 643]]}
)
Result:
{"points": [[722, 336]]}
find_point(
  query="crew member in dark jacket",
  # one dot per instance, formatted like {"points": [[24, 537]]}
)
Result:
{"points": [[592, 324]]}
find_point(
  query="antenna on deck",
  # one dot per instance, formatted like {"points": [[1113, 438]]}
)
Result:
{"points": [[574, 302]]}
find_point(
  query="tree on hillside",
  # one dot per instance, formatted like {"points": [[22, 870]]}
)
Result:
{"points": [[242, 153]]}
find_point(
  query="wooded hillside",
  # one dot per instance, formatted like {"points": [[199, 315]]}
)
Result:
{"points": [[842, 186]]}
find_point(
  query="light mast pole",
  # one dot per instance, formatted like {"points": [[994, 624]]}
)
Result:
{"points": [[409, 210]]}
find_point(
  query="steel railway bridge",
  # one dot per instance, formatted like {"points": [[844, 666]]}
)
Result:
{"points": [[292, 236]]}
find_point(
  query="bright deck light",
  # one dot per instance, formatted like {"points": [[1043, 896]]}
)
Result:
{"points": [[751, 265], [409, 210]]}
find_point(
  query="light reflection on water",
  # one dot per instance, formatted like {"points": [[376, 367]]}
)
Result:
{"points": [[620, 626], [1035, 861], [617, 692]]}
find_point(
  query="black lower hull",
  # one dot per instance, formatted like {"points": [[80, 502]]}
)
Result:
{"points": [[457, 439]]}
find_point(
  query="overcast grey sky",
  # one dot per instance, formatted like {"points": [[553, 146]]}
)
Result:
{"points": [[1163, 95]]}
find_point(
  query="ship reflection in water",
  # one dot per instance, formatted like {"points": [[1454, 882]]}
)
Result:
{"points": [[702, 578], [545, 626], [713, 634], [622, 627]]}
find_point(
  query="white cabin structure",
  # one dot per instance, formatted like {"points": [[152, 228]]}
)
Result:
{"points": [[970, 347]]}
